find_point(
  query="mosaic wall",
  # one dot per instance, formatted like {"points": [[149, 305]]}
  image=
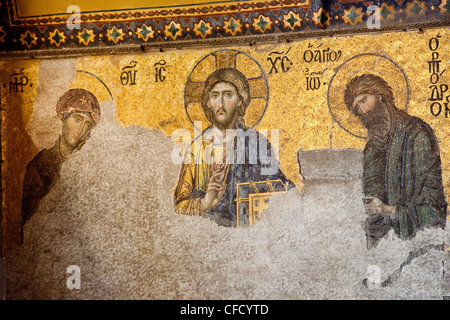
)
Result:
{"points": [[110, 163], [225, 150]]}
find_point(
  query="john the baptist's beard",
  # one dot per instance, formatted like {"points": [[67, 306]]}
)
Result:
{"points": [[377, 120]]}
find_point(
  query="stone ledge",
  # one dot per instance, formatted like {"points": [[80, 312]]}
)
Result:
{"points": [[331, 164]]}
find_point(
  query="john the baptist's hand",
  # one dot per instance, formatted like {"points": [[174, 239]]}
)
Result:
{"points": [[375, 205]]}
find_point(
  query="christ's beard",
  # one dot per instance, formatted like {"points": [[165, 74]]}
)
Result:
{"points": [[377, 121], [228, 122]]}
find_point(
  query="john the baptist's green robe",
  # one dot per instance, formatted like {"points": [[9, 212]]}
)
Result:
{"points": [[404, 171]]}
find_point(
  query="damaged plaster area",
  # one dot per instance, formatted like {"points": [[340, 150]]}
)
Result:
{"points": [[111, 214]]}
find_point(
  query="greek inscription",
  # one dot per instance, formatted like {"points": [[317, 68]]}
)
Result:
{"points": [[17, 81], [324, 55], [160, 71], [313, 79], [279, 61], [439, 92], [128, 75], [437, 108]]}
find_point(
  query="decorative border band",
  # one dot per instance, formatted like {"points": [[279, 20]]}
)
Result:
{"points": [[289, 19], [142, 14]]}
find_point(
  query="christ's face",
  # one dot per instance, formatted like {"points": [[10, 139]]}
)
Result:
{"points": [[224, 102], [75, 128]]}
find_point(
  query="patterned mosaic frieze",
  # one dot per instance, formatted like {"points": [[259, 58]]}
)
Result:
{"points": [[216, 20]]}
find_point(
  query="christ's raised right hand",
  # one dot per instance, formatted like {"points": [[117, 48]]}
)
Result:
{"points": [[214, 192]]}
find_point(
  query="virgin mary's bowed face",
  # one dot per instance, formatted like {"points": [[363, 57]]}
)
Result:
{"points": [[75, 128]]}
